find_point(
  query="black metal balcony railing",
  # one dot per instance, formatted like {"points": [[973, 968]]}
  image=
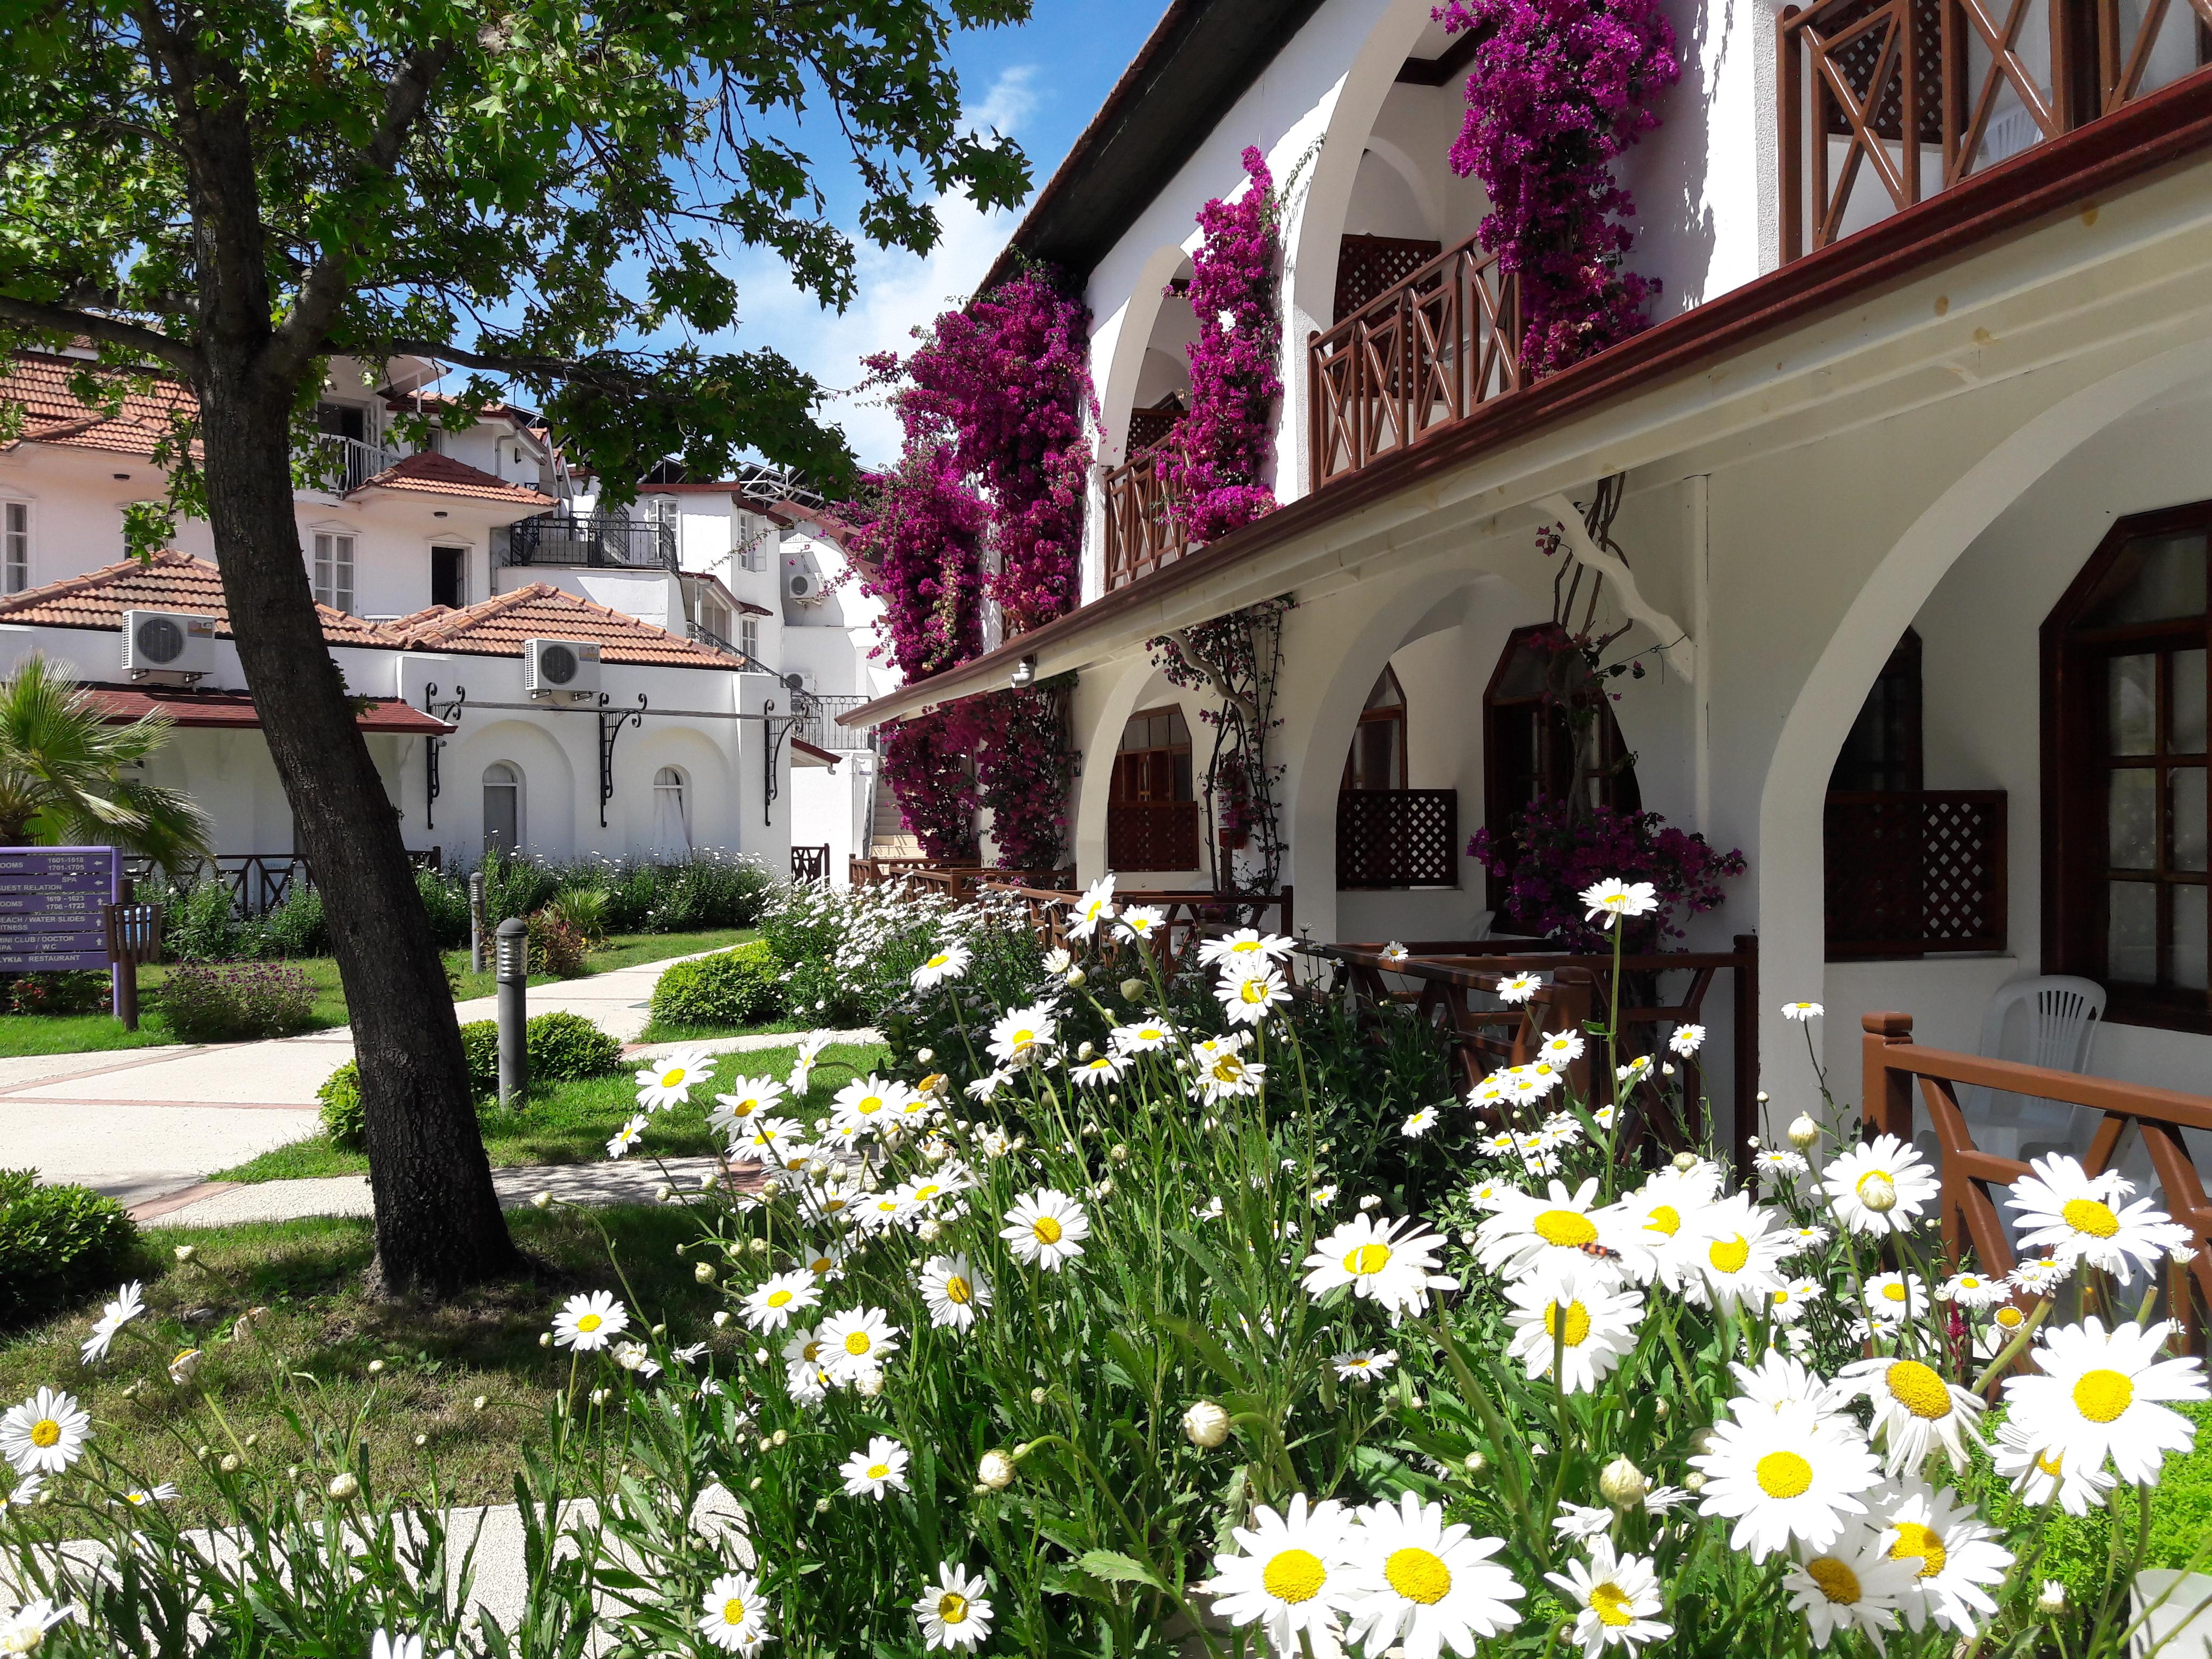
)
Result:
{"points": [[598, 538], [703, 635], [817, 723]]}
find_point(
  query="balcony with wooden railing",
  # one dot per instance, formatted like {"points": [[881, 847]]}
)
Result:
{"points": [[1912, 872], [1973, 82], [1144, 531]]}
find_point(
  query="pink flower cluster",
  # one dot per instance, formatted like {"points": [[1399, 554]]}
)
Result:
{"points": [[1023, 763], [926, 763], [1218, 454], [1552, 852], [922, 528], [1005, 380], [1558, 88]]}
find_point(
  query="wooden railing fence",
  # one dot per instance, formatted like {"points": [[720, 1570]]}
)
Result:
{"points": [[1191, 915], [1144, 529]]}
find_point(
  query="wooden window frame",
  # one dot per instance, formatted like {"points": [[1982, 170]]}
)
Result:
{"points": [[1388, 713], [2075, 811]]}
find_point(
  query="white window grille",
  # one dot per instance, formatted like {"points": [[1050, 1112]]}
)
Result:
{"points": [[16, 531], [333, 573]]}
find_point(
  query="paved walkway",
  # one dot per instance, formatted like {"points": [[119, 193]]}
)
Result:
{"points": [[147, 1124]]}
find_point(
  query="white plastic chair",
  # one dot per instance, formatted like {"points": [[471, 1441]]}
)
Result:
{"points": [[2049, 1021]]}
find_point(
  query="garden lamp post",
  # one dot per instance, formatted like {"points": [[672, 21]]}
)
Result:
{"points": [[514, 969]]}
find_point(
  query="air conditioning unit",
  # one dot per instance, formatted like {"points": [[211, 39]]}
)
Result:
{"points": [[561, 668], [174, 645], [803, 587]]}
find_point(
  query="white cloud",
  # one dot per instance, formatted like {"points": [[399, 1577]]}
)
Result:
{"points": [[898, 291]]}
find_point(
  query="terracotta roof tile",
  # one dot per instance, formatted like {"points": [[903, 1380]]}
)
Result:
{"points": [[441, 475], [497, 628], [52, 414], [171, 581]]}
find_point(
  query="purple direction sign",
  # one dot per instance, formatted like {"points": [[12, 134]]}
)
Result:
{"points": [[49, 904]]}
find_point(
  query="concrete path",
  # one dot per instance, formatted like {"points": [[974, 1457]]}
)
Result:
{"points": [[632, 1181]]}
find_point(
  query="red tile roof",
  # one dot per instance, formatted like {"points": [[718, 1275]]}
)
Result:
{"points": [[53, 414], [498, 626], [441, 475], [235, 710], [171, 581]]}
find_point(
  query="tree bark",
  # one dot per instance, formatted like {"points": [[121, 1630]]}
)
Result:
{"points": [[438, 1223]]}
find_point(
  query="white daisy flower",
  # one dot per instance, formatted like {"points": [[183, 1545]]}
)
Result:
{"points": [[1562, 1048], [1880, 1185], [766, 1140], [1891, 1299], [804, 1373], [1951, 1554], [949, 961], [879, 1468], [1581, 1522], [127, 1304], [1780, 1382], [2007, 1320], [1023, 1035], [1581, 1316], [1851, 1584], [2102, 1395], [1323, 1197], [955, 1293], [1971, 1290], [1095, 906], [1656, 1213], [24, 1631], [2041, 1275], [749, 1097], [867, 1104], [773, 1305], [953, 1611], [1243, 945], [1615, 1598], [1686, 1040], [589, 1322], [731, 1615], [139, 1496], [1779, 1163], [1501, 1145], [1802, 1011], [1227, 1075], [626, 1137], [670, 1081], [2038, 1474], [1393, 953], [1732, 1253], [856, 1341], [1142, 920], [1525, 1233], [1783, 1474], [1787, 1305], [1247, 999], [2063, 1209], [1143, 1037], [1293, 1575], [45, 1434], [1098, 1071], [1365, 1366], [1419, 1123], [1516, 989], [1392, 1262], [1425, 1586], [1613, 899], [986, 1088], [1916, 1411], [1046, 1228], [1802, 1239]]}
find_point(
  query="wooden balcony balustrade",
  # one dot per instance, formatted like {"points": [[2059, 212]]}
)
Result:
{"points": [[1395, 838], [1973, 82], [809, 863], [1151, 834], [1191, 915], [1421, 356], [1453, 986], [1914, 871], [1143, 529], [1894, 1063]]}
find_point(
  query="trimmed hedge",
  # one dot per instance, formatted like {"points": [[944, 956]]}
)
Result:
{"points": [[57, 1245], [739, 987]]}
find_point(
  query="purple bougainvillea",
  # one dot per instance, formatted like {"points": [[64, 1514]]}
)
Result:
{"points": [[925, 760], [1558, 88], [1215, 464], [1023, 767], [922, 529], [1553, 851]]}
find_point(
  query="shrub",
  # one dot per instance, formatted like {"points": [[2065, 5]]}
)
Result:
{"points": [[294, 928], [88, 991], [730, 987], [234, 1002], [584, 908], [567, 1047], [198, 924], [480, 1043], [342, 1116], [58, 1244], [446, 901], [556, 947]]}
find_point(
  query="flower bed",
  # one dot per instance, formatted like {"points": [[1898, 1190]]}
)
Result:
{"points": [[1091, 1329]]}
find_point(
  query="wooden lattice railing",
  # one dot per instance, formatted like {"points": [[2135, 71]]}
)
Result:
{"points": [[1970, 80], [1389, 838], [1411, 362], [1151, 834], [1143, 529], [1190, 913], [1452, 984], [1909, 871], [1893, 1063]]}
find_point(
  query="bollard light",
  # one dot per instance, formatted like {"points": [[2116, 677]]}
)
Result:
{"points": [[513, 953], [477, 921]]}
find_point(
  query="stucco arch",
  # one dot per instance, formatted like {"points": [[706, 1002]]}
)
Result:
{"points": [[1133, 335], [1098, 736], [549, 787], [1411, 174], [712, 804], [1790, 865]]}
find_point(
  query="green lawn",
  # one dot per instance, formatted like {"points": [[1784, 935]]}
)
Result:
{"points": [[57, 1034], [438, 1358], [571, 1122]]}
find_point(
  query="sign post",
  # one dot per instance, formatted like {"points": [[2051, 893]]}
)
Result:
{"points": [[52, 907]]}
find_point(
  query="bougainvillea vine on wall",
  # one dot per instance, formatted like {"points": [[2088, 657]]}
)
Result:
{"points": [[1559, 89], [922, 529], [1023, 767], [925, 761], [1218, 459]]}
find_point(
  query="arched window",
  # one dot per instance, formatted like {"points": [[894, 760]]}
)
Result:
{"points": [[1377, 759], [2127, 823], [1548, 729], [671, 818], [502, 809], [1152, 812]]}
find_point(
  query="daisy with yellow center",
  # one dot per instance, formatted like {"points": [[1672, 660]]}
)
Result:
{"points": [[773, 1305], [45, 1434], [1851, 1584], [1291, 1574], [1580, 1317], [2038, 1474], [1954, 1558], [731, 1614], [749, 1097], [590, 1322], [948, 961], [670, 1082], [1789, 1474], [1613, 1598], [2079, 1218], [1526, 1233], [1916, 1411], [1392, 1262], [856, 1342], [878, 1468], [2107, 1395], [1426, 1586], [1880, 1185], [955, 1293], [1046, 1228], [1228, 1076], [954, 1613]]}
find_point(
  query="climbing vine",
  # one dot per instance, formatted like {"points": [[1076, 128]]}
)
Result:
{"points": [[1024, 764], [1558, 88], [1238, 658], [922, 528], [925, 761]]}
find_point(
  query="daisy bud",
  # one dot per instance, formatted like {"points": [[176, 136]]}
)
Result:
{"points": [[292, 1472], [1076, 977], [721, 1318], [1762, 1096], [663, 1194], [230, 1463], [822, 1506], [1879, 1194], [1565, 1633], [758, 1247], [204, 1452], [185, 1252], [928, 1232], [1368, 1203], [1667, 1068], [925, 1055], [1036, 1396], [344, 1485], [1105, 1189], [869, 1385], [704, 1272], [660, 1330], [422, 1440], [995, 1471], [1660, 1411], [1475, 1463], [598, 1396], [541, 1200], [771, 1190], [1084, 1050], [760, 1356], [545, 1338], [707, 1182], [477, 1404], [781, 1437], [1207, 1424], [767, 1444], [1804, 1132], [1119, 1154], [818, 1167], [1685, 1161], [1131, 989], [1693, 1481], [376, 1368], [753, 1485], [252, 1441], [1622, 1484], [2052, 1598]]}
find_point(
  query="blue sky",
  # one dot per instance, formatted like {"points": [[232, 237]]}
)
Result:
{"points": [[1039, 84]]}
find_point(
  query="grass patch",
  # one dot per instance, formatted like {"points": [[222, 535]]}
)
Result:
{"points": [[570, 1122], [438, 1358], [78, 1034], [659, 1031]]}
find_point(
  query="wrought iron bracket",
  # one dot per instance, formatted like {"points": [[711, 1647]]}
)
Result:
{"points": [[773, 733], [611, 721], [451, 713]]}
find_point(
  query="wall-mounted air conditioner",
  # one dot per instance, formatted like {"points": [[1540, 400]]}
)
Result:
{"points": [[172, 646], [561, 668], [803, 587]]}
